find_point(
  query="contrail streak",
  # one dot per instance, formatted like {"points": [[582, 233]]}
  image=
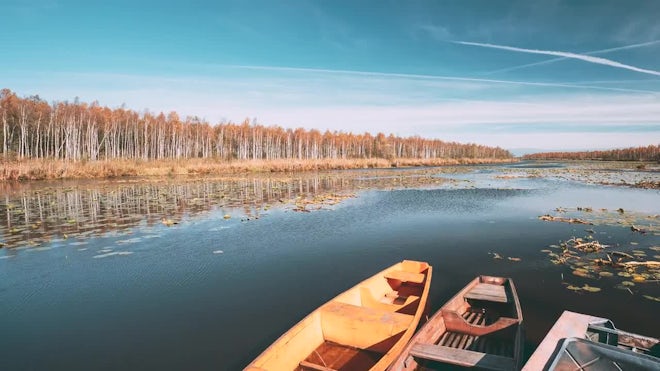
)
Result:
{"points": [[434, 77], [548, 61], [583, 57]]}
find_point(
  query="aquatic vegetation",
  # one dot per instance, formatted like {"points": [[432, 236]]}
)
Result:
{"points": [[588, 288], [590, 259], [83, 210]]}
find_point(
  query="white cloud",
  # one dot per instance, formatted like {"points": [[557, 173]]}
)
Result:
{"points": [[453, 109]]}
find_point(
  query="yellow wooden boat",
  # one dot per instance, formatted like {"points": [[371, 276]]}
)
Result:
{"points": [[364, 328]]}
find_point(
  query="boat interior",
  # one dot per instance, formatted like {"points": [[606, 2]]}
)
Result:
{"points": [[357, 328], [606, 333], [476, 328]]}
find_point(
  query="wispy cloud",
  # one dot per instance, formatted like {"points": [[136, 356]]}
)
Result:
{"points": [[376, 102], [583, 57], [548, 61], [440, 77]]}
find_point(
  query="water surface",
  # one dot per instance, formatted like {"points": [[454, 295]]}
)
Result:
{"points": [[204, 274]]}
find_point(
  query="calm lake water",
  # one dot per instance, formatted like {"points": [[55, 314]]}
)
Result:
{"points": [[175, 274]]}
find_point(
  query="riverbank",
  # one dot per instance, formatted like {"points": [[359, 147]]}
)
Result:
{"points": [[23, 170]]}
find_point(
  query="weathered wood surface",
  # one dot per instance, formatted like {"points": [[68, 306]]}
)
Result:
{"points": [[487, 291], [455, 322], [361, 327], [462, 357], [467, 320], [569, 324]]}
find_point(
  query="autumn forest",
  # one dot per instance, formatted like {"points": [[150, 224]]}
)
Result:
{"points": [[42, 140], [75, 131]]}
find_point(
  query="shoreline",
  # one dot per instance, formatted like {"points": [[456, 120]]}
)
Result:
{"points": [[33, 169]]}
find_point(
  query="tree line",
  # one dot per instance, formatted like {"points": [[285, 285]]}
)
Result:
{"points": [[33, 128], [648, 153]]}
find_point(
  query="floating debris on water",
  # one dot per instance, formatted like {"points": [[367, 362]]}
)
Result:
{"points": [[116, 253], [590, 259], [495, 255], [169, 222], [128, 241], [588, 288], [550, 218]]}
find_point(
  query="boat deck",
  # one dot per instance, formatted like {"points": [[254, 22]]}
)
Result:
{"points": [[483, 344]]}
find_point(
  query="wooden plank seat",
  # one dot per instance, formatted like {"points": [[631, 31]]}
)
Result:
{"points": [[361, 327], [462, 357], [457, 323], [404, 276], [489, 292]]}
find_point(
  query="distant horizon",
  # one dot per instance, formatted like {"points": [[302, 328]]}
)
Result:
{"points": [[548, 75]]}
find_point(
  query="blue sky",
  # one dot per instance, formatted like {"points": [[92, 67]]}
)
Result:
{"points": [[517, 74]]}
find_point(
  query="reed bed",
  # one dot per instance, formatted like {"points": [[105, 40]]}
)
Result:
{"points": [[40, 169]]}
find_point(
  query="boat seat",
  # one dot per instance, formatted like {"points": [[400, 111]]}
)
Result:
{"points": [[362, 327], [489, 292], [456, 323], [404, 276], [462, 357]]}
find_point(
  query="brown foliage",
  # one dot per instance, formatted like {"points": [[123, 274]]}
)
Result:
{"points": [[40, 169], [76, 132], [648, 153]]}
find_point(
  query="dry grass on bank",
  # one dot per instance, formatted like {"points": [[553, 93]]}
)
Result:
{"points": [[59, 169]]}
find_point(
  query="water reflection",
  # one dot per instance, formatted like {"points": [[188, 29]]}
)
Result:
{"points": [[41, 212]]}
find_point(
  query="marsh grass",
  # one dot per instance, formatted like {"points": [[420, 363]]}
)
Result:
{"points": [[23, 170]]}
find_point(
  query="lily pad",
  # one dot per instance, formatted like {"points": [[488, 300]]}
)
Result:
{"points": [[606, 274], [590, 288], [581, 272], [651, 297], [628, 283], [574, 288], [638, 278]]}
